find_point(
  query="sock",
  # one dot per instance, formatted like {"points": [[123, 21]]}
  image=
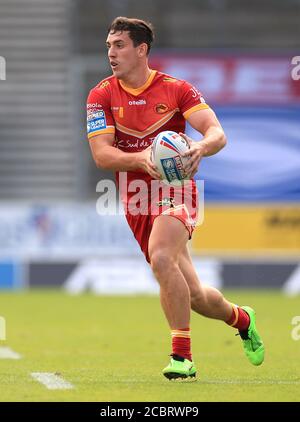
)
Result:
{"points": [[239, 318], [181, 343]]}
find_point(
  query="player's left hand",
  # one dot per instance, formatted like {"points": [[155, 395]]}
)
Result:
{"points": [[195, 153]]}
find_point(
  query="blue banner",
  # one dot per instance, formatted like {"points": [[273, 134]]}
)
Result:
{"points": [[261, 161]]}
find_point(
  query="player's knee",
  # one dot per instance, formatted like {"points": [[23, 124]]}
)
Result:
{"points": [[162, 262]]}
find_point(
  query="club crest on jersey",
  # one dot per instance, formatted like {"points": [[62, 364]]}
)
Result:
{"points": [[161, 108]]}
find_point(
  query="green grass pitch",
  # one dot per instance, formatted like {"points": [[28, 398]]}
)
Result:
{"points": [[114, 348]]}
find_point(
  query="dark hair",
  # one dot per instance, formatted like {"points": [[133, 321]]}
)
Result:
{"points": [[139, 30]]}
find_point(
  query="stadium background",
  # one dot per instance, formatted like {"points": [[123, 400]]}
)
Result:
{"points": [[237, 53]]}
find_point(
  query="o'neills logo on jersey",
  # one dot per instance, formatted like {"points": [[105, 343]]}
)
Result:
{"points": [[139, 102], [161, 108]]}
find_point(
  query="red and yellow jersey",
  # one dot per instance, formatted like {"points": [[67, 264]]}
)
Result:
{"points": [[136, 116]]}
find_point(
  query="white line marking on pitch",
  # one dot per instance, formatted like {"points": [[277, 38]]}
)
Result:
{"points": [[8, 353], [51, 381]]}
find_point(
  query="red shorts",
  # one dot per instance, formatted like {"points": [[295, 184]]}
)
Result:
{"points": [[142, 205]]}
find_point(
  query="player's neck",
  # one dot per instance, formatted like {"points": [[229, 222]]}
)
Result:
{"points": [[138, 79]]}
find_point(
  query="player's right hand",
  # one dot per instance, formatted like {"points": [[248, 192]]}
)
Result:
{"points": [[147, 165]]}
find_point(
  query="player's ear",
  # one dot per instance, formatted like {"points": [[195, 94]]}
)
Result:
{"points": [[142, 49]]}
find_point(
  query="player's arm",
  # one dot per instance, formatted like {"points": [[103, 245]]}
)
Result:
{"points": [[108, 157], [214, 139]]}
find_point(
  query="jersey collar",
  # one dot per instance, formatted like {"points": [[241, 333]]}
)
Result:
{"points": [[138, 91]]}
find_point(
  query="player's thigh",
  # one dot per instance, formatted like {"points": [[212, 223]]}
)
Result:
{"points": [[168, 234]]}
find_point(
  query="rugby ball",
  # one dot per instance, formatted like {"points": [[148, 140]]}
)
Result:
{"points": [[166, 152]]}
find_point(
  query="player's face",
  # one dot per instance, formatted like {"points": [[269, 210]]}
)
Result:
{"points": [[122, 54]]}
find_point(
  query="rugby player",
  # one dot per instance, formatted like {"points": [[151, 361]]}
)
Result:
{"points": [[125, 112]]}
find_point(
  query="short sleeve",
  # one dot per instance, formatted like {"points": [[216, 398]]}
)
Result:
{"points": [[190, 100], [99, 116]]}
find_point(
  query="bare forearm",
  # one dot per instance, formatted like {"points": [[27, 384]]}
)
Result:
{"points": [[214, 140], [112, 158]]}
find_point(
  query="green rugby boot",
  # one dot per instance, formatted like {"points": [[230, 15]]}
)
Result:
{"points": [[179, 368], [252, 343]]}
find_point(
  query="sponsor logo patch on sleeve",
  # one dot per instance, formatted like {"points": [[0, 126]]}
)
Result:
{"points": [[96, 121]]}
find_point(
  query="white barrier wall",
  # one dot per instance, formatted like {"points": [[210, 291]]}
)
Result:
{"points": [[71, 246]]}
